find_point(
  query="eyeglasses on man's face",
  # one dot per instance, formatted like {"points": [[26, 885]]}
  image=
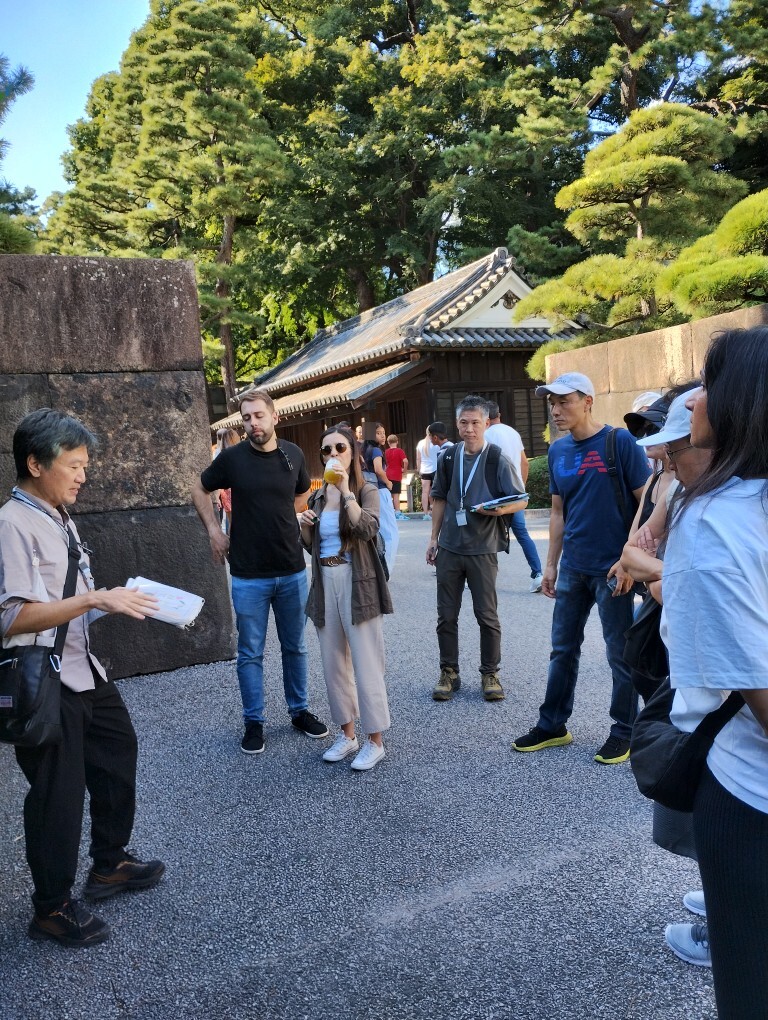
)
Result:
{"points": [[328, 448], [681, 449]]}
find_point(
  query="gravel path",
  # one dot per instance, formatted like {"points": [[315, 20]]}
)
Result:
{"points": [[457, 880]]}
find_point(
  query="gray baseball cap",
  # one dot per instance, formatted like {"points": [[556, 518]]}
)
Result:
{"points": [[567, 383]]}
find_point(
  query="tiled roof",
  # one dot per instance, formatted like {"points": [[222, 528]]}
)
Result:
{"points": [[447, 339], [392, 327]]}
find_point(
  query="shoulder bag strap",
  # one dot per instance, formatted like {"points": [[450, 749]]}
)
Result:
{"points": [[613, 474], [69, 589]]}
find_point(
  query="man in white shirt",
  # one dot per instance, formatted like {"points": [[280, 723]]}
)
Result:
{"points": [[511, 445]]}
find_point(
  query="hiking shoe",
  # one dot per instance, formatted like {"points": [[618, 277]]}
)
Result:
{"points": [[71, 925], [253, 739], [536, 583], [309, 724], [694, 901], [447, 685], [613, 752], [537, 739], [130, 873], [492, 689], [370, 754], [690, 942], [341, 747]]}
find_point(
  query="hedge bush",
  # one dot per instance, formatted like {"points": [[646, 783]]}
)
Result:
{"points": [[538, 484]]}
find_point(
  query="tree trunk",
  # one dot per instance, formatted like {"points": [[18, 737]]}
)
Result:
{"points": [[366, 296], [222, 290]]}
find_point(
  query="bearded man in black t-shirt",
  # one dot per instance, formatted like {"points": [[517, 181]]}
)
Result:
{"points": [[269, 484]]}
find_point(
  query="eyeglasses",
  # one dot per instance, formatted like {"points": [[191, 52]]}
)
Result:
{"points": [[285, 458], [339, 447], [681, 449]]}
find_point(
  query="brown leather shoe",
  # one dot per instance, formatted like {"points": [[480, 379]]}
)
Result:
{"points": [[130, 873], [71, 925]]}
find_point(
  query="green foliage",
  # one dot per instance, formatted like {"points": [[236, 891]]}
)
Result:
{"points": [[17, 213], [726, 269], [537, 485]]}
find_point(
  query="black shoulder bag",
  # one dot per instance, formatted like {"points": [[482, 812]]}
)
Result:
{"points": [[667, 763], [30, 680]]}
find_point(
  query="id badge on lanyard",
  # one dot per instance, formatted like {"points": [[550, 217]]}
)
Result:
{"points": [[461, 513]]}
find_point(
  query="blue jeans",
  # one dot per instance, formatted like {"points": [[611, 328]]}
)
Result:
{"points": [[576, 594], [519, 530], [252, 597]]}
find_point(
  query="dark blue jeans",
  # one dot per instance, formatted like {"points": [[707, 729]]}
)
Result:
{"points": [[519, 530], [576, 595]]}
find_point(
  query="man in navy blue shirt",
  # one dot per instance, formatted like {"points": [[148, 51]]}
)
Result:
{"points": [[587, 532]]}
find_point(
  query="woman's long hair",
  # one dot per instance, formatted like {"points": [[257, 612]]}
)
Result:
{"points": [[736, 381]]}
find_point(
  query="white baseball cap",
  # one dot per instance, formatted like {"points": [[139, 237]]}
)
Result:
{"points": [[677, 425], [568, 383]]}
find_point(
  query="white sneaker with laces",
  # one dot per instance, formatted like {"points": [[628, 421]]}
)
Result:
{"points": [[694, 901], [690, 943], [341, 747], [369, 755], [536, 583]]}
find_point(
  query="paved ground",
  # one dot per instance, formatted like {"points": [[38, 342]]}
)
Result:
{"points": [[457, 880]]}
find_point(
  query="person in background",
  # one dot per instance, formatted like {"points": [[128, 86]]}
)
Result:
{"points": [[426, 463], [98, 748], [347, 599], [644, 400], [438, 433], [230, 438], [397, 464], [270, 485], [587, 531], [715, 591], [374, 470], [510, 443]]}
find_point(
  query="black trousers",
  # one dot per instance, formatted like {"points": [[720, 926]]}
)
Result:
{"points": [[480, 574], [97, 752], [732, 845]]}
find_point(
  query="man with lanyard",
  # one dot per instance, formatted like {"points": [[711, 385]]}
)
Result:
{"points": [[464, 545], [269, 484], [588, 525], [98, 745]]}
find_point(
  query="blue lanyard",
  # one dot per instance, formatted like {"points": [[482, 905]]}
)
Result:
{"points": [[463, 488]]}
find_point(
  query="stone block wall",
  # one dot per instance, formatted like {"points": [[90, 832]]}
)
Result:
{"points": [[622, 369], [116, 342]]}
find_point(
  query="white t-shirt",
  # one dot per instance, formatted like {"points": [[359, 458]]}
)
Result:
{"points": [[716, 626], [509, 441], [428, 457]]}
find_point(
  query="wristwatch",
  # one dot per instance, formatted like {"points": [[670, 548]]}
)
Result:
{"points": [[349, 499]]}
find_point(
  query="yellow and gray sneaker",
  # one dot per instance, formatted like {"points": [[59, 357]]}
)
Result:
{"points": [[613, 752]]}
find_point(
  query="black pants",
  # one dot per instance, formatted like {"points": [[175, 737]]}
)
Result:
{"points": [[732, 845], [98, 753], [480, 574]]}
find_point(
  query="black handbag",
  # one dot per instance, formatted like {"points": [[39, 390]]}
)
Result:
{"points": [[667, 763], [644, 650], [30, 681]]}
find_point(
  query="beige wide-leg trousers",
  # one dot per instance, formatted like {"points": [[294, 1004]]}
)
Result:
{"points": [[353, 657]]}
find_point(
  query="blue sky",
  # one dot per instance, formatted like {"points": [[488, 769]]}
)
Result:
{"points": [[66, 44]]}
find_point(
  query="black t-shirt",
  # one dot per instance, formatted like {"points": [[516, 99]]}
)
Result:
{"points": [[264, 541]]}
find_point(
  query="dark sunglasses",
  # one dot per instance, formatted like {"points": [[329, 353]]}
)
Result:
{"points": [[339, 447]]}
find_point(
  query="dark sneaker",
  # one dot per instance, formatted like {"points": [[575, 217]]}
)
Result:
{"points": [[613, 752], [253, 738], [130, 873], [447, 685], [537, 739], [492, 689], [71, 925], [310, 725]]}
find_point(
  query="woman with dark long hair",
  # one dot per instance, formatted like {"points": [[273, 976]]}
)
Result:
{"points": [[347, 598], [375, 471], [715, 587]]}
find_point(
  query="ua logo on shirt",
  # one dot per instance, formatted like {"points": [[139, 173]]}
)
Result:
{"points": [[592, 462]]}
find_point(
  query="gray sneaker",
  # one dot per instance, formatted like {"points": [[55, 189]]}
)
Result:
{"points": [[447, 685], [690, 942]]}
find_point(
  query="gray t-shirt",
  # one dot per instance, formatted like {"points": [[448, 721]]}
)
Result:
{"points": [[481, 534]]}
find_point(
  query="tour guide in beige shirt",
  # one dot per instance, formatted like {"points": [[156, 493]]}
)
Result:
{"points": [[98, 748]]}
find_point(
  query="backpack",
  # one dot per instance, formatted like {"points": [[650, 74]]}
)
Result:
{"points": [[445, 465]]}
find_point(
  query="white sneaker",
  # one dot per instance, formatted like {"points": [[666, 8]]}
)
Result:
{"points": [[427, 517], [694, 901], [690, 943], [341, 747], [369, 755], [536, 584]]}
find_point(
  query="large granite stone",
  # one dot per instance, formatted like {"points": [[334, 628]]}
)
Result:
{"points": [[154, 435], [168, 545], [74, 314]]}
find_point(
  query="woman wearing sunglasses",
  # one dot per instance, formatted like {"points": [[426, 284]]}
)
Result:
{"points": [[347, 598]]}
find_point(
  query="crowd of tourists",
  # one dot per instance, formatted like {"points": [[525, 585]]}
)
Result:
{"points": [[670, 512]]}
